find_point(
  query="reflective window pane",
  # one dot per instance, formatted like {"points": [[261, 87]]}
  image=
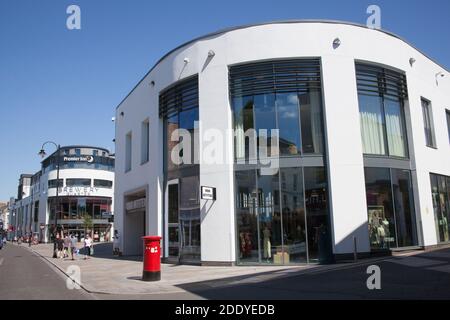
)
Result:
{"points": [[246, 216], [404, 208], [395, 130], [381, 219], [243, 121], [372, 125], [293, 214], [189, 217], [265, 119], [288, 123], [311, 122], [319, 233], [269, 215]]}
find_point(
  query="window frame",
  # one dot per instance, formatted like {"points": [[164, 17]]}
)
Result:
{"points": [[145, 143], [128, 151], [428, 116]]}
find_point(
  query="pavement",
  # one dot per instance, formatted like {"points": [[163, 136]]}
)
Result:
{"points": [[411, 275], [104, 273]]}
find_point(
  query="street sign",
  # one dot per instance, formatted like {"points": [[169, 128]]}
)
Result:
{"points": [[208, 193]]}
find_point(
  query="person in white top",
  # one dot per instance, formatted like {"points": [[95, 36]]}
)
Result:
{"points": [[88, 244]]}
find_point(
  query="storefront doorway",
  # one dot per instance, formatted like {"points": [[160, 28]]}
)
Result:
{"points": [[134, 222], [183, 223]]}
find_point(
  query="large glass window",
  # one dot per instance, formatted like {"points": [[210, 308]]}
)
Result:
{"points": [[246, 215], [189, 217], [294, 219], [178, 107], [404, 208], [78, 182], [52, 183], [278, 220], [269, 215], [78, 207], [283, 95], [440, 188], [99, 183], [381, 217], [381, 95], [390, 208], [428, 123], [288, 115]]}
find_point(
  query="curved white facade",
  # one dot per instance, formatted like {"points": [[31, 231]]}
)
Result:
{"points": [[344, 162]]}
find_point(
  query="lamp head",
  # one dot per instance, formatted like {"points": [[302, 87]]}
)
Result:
{"points": [[42, 153]]}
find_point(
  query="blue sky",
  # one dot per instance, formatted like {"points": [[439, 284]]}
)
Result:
{"points": [[62, 85]]}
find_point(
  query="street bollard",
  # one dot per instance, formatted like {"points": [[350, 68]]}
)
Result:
{"points": [[152, 258]]}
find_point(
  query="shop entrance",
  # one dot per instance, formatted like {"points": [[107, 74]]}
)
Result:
{"points": [[183, 221], [134, 222]]}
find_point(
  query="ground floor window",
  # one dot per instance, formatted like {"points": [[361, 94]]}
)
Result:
{"points": [[440, 189], [282, 218], [77, 207], [390, 208]]}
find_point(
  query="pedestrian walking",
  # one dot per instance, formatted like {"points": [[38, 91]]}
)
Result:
{"points": [[66, 245], [60, 244], [87, 245], [73, 245]]}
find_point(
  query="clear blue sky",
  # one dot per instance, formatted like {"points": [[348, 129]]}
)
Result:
{"points": [[63, 85]]}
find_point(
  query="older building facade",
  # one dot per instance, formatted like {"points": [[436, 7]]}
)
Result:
{"points": [[355, 154]]}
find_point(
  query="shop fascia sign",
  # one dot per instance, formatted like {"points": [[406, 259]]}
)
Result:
{"points": [[78, 191], [88, 159]]}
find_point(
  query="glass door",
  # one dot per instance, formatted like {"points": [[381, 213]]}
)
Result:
{"points": [[189, 219], [173, 220]]}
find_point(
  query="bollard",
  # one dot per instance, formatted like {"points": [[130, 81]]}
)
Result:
{"points": [[152, 258]]}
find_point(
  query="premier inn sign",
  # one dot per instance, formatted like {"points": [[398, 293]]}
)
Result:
{"points": [[88, 159]]}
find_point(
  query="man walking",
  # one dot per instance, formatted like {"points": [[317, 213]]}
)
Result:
{"points": [[73, 245]]}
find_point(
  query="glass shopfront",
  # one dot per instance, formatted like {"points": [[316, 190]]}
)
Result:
{"points": [[440, 188], [178, 106], [390, 208], [281, 218]]}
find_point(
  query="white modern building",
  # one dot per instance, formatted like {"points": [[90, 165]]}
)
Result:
{"points": [[86, 179], [362, 152]]}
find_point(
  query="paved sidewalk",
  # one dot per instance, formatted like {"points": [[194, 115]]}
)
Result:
{"points": [[105, 273]]}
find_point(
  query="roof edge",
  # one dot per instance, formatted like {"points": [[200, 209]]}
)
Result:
{"points": [[222, 31]]}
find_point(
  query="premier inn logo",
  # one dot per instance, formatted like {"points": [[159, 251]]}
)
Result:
{"points": [[88, 159]]}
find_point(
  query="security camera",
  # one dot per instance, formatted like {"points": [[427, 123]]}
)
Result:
{"points": [[113, 119], [186, 60]]}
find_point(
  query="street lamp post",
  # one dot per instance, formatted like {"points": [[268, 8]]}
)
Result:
{"points": [[42, 154]]}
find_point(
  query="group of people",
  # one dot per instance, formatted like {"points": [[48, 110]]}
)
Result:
{"points": [[68, 245]]}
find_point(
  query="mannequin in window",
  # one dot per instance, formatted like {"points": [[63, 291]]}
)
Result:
{"points": [[381, 233], [267, 254]]}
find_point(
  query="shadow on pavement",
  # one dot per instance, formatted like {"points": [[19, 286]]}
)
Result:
{"points": [[422, 276]]}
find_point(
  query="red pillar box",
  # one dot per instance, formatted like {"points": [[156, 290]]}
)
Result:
{"points": [[152, 258]]}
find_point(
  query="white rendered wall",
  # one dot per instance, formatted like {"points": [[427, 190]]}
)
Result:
{"points": [[345, 161]]}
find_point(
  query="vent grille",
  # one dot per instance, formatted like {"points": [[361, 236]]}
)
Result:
{"points": [[180, 97], [294, 75]]}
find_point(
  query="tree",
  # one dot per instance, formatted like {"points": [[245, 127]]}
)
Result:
{"points": [[87, 223]]}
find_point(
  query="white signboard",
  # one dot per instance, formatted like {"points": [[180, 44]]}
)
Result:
{"points": [[208, 193]]}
